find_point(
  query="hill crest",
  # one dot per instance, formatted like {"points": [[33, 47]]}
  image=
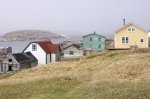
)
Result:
{"points": [[27, 35]]}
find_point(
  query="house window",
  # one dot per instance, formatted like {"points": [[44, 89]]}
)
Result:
{"points": [[71, 53], [99, 46], [142, 40], [99, 39], [125, 40], [9, 60], [91, 39], [131, 29], [34, 47]]}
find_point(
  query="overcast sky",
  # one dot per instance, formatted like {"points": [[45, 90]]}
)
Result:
{"points": [[82, 16]]}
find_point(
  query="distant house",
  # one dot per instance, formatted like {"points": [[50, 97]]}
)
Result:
{"points": [[4, 50], [72, 51], [17, 61], [94, 42], [45, 51], [131, 35]]}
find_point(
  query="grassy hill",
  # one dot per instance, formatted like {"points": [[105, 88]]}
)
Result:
{"points": [[24, 35], [112, 75]]}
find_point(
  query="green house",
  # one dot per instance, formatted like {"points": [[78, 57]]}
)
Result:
{"points": [[94, 42]]}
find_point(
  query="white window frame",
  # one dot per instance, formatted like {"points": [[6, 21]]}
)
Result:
{"points": [[131, 29], [125, 39], [34, 49]]}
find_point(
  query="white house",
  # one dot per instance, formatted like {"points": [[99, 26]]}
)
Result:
{"points": [[44, 51]]}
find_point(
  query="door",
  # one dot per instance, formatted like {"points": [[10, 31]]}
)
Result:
{"points": [[9, 67]]}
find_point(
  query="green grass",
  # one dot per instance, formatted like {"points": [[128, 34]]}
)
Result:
{"points": [[74, 89], [112, 75], [40, 89], [113, 90]]}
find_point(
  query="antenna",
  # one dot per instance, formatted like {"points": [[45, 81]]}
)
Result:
{"points": [[124, 22]]}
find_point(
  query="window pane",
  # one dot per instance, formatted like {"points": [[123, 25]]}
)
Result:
{"points": [[133, 30], [129, 30], [34, 47], [71, 52], [123, 39], [91, 39], [10, 60], [127, 40], [142, 40]]}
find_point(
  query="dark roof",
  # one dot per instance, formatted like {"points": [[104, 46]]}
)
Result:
{"points": [[93, 34], [32, 57], [74, 45], [48, 47], [24, 57]]}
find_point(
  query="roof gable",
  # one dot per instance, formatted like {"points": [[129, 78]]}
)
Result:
{"points": [[124, 27], [24, 57], [93, 34], [48, 47], [32, 57], [73, 45]]}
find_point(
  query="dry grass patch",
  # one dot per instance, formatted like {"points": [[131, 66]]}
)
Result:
{"points": [[112, 75]]}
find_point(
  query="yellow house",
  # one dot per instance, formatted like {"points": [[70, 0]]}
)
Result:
{"points": [[131, 35]]}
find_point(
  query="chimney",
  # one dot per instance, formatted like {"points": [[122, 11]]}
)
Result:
{"points": [[124, 22]]}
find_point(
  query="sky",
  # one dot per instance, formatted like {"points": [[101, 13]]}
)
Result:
{"points": [[78, 17]]}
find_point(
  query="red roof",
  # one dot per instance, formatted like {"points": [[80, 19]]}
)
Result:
{"points": [[48, 46]]}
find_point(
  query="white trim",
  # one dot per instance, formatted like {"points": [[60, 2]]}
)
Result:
{"points": [[125, 40], [131, 29], [34, 47]]}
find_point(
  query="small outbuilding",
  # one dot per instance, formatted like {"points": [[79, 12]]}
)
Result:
{"points": [[18, 61]]}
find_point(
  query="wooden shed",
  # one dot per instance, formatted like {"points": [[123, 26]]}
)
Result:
{"points": [[17, 61]]}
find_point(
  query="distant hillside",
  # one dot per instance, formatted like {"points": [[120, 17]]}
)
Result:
{"points": [[111, 75], [24, 35]]}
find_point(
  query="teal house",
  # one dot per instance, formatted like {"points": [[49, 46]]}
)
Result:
{"points": [[94, 42]]}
